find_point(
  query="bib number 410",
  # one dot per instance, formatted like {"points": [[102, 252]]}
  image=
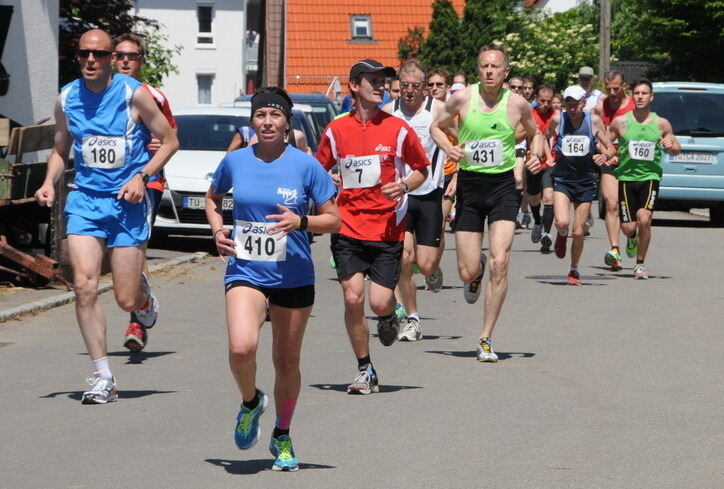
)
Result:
{"points": [[259, 246]]}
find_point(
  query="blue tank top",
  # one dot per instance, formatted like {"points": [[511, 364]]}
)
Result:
{"points": [[109, 147], [574, 149]]}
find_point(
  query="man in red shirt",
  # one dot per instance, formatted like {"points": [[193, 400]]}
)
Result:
{"points": [[615, 103], [371, 149], [128, 60]]}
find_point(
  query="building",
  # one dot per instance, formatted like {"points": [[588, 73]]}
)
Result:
{"points": [[554, 6]]}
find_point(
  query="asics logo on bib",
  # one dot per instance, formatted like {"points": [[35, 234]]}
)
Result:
{"points": [[250, 228], [380, 147], [100, 141], [358, 162], [481, 144]]}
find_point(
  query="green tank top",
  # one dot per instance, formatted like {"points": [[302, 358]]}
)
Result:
{"points": [[639, 151], [488, 136]]}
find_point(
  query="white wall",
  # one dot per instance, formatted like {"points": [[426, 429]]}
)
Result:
{"points": [[224, 59], [556, 6], [31, 59]]}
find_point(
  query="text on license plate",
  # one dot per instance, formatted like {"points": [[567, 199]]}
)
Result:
{"points": [[199, 203], [693, 157]]}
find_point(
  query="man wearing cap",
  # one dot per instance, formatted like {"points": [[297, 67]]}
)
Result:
{"points": [[486, 185], [371, 149], [578, 134], [585, 81]]}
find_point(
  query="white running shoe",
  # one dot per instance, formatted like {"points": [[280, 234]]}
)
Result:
{"points": [[147, 317], [485, 351], [411, 331], [434, 281], [527, 219], [102, 390], [537, 233]]}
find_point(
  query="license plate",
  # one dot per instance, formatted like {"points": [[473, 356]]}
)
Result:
{"points": [[693, 157], [200, 203]]}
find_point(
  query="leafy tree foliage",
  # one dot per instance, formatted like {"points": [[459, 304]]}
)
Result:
{"points": [[410, 45], [441, 49], [115, 17]]}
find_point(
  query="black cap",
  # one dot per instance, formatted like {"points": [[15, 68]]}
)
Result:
{"points": [[370, 66]]}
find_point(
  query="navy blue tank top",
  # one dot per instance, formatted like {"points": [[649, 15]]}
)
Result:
{"points": [[575, 149]]}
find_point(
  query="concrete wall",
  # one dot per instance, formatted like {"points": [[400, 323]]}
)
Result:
{"points": [[31, 59], [223, 59]]}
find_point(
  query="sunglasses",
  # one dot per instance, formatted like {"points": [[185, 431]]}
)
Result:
{"points": [[413, 85], [97, 53], [516, 87], [435, 84], [126, 54]]}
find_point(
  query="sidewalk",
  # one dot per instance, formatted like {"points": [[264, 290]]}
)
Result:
{"points": [[18, 301]]}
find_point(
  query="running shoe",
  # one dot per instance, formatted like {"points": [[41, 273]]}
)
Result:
{"points": [[415, 268], [136, 337], [103, 390], [545, 243], [332, 263], [434, 281], [148, 315], [640, 272], [518, 222], [485, 351], [472, 290], [366, 382], [560, 247], [411, 331], [247, 429], [526, 220], [574, 278], [632, 247], [281, 448], [537, 234], [400, 312], [612, 258], [590, 221], [387, 329]]}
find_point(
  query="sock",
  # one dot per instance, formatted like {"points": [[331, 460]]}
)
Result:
{"points": [[414, 315], [639, 261], [253, 403], [614, 248], [102, 367], [565, 233], [363, 362], [536, 213], [279, 432], [547, 217], [633, 236], [284, 420], [574, 269]]}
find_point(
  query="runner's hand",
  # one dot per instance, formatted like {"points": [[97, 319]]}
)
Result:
{"points": [[533, 164], [393, 190], [452, 187], [288, 221], [45, 195], [224, 244], [456, 152], [133, 191], [667, 142], [600, 159], [336, 179]]}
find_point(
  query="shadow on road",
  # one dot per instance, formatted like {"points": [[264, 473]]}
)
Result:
{"points": [[136, 358], [249, 467], [682, 223], [77, 395], [383, 387], [471, 354]]}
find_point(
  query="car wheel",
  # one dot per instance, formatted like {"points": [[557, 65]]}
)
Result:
{"points": [[716, 215]]}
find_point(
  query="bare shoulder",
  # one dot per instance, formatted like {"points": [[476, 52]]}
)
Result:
{"points": [[389, 107]]}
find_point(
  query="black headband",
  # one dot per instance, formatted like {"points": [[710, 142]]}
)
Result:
{"points": [[273, 100]]}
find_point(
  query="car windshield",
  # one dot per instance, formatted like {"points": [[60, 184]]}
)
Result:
{"points": [[300, 122], [204, 132], [692, 113], [323, 114]]}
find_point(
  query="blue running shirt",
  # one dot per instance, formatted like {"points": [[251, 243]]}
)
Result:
{"points": [[575, 148], [109, 147], [291, 180]]}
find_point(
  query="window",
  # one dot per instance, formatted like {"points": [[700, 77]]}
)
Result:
{"points": [[205, 16], [361, 26], [204, 83]]}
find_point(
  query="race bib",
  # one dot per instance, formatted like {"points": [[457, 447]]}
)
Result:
{"points": [[488, 152], [641, 150], [360, 171], [255, 244], [104, 152], [575, 145]]}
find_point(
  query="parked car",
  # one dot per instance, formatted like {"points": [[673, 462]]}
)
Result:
{"points": [[204, 134], [323, 109], [694, 178]]}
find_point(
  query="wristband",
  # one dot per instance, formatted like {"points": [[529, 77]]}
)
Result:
{"points": [[144, 176], [216, 232], [303, 223], [405, 187]]}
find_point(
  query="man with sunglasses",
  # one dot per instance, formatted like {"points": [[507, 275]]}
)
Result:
{"points": [[107, 119], [128, 60], [437, 86], [424, 204]]}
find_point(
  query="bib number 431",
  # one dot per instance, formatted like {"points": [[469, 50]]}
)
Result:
{"points": [[488, 152]]}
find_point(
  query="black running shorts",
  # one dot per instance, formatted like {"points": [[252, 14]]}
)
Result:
{"points": [[424, 217], [483, 195], [577, 191], [380, 260], [633, 196], [293, 298]]}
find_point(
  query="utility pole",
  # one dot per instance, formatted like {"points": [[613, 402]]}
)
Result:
{"points": [[605, 38]]}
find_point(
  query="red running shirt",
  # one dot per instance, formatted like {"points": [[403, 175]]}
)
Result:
{"points": [[366, 213], [609, 114], [543, 122]]}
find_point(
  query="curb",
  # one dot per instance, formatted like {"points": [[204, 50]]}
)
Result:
{"points": [[104, 286]]}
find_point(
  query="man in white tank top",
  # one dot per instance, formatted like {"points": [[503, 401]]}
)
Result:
{"points": [[424, 212]]}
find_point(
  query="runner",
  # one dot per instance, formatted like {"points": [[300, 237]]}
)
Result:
{"points": [[642, 136], [557, 102], [370, 147], [540, 184], [437, 85], [574, 175], [460, 77], [586, 77], [128, 59], [270, 258], [616, 103], [424, 204], [395, 91], [516, 84], [107, 120], [528, 90], [486, 185]]}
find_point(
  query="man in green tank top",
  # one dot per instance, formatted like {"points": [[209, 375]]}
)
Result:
{"points": [[486, 186], [642, 136]]}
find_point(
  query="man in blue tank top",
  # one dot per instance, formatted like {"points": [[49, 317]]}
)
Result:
{"points": [[108, 123]]}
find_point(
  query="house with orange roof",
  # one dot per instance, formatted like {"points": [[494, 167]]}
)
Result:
{"points": [[311, 44]]}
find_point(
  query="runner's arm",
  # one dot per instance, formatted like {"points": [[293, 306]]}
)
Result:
{"points": [[56, 163], [533, 135], [668, 140], [221, 236], [153, 118], [446, 120], [603, 142], [237, 141]]}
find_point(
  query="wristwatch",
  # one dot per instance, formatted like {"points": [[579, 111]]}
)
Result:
{"points": [[303, 223], [144, 176], [405, 187]]}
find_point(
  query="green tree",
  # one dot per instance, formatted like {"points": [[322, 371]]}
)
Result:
{"points": [[115, 17], [409, 46], [441, 49]]}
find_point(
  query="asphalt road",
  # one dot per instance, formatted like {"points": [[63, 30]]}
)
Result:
{"points": [[614, 384]]}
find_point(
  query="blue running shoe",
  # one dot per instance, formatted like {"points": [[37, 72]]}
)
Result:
{"points": [[281, 448], [247, 423]]}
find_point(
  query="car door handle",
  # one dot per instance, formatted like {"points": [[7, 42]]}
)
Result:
{"points": [[690, 169]]}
